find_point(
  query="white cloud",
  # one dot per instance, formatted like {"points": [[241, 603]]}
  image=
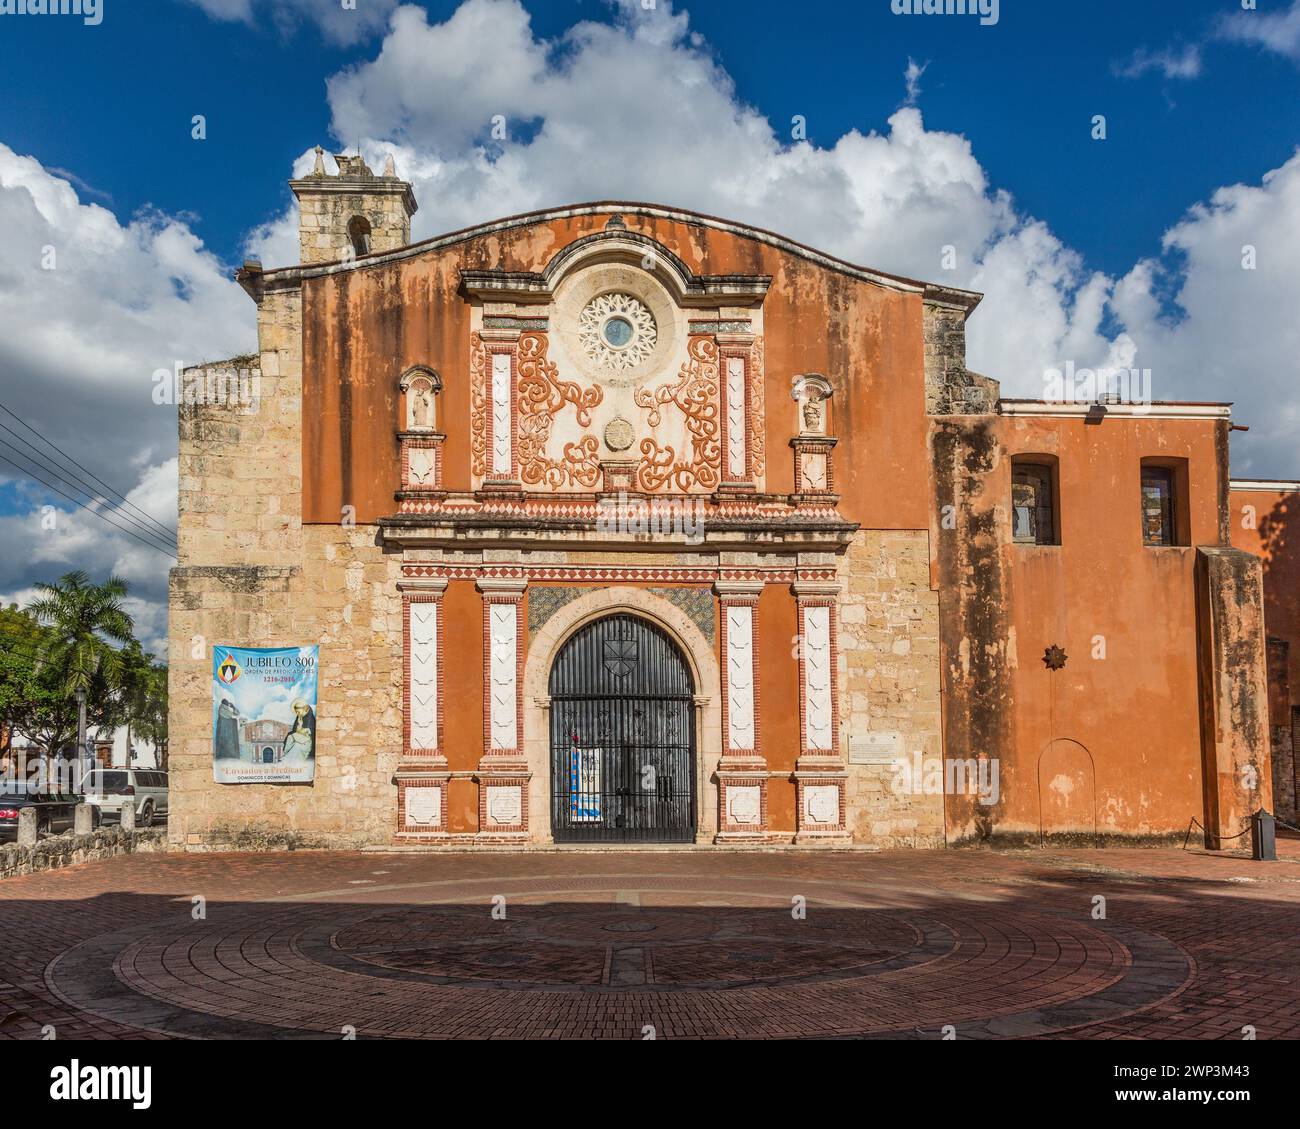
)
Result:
{"points": [[912, 76], [1170, 62], [1278, 32], [583, 126], [337, 23], [639, 109], [79, 344], [1236, 336]]}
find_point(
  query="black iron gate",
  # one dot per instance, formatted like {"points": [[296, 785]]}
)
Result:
{"points": [[622, 736]]}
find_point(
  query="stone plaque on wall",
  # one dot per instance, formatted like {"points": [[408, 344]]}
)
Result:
{"points": [[744, 804], [822, 803], [875, 748], [424, 806], [505, 806]]}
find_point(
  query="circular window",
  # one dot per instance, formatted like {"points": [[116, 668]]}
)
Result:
{"points": [[617, 331]]}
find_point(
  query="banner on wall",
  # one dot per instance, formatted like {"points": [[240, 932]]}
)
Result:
{"points": [[264, 715]]}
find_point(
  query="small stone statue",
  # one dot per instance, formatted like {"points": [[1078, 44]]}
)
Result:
{"points": [[421, 406], [810, 392]]}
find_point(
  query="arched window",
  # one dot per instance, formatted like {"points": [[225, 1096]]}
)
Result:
{"points": [[359, 233]]}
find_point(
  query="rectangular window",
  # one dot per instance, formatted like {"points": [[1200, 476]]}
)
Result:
{"points": [[1158, 514], [1033, 517]]}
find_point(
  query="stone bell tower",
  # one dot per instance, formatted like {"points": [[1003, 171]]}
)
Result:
{"points": [[352, 213]]}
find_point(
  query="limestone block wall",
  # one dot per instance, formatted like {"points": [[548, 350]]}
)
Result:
{"points": [[342, 596], [250, 574], [1234, 690], [889, 679], [325, 215], [951, 388]]}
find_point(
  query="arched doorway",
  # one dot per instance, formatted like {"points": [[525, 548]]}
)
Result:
{"points": [[622, 736], [1067, 790]]}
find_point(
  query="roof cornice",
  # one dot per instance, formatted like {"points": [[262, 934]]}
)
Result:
{"points": [[963, 299], [1273, 485], [1157, 409]]}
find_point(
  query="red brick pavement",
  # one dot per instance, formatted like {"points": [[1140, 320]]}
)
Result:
{"points": [[691, 944]]}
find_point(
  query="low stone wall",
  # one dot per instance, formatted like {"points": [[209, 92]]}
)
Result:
{"points": [[68, 849]]}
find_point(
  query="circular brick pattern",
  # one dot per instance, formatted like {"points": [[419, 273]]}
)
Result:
{"points": [[589, 957]]}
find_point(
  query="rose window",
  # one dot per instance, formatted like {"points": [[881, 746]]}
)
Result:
{"points": [[617, 331]]}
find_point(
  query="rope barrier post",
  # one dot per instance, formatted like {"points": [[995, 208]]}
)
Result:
{"points": [[1263, 837]]}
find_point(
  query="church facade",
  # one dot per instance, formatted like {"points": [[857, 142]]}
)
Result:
{"points": [[622, 524]]}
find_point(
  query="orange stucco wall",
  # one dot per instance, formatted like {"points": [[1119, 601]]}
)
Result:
{"points": [[1126, 616], [1112, 740], [363, 328], [778, 625]]}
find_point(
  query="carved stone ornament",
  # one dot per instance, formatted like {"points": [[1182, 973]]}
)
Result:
{"points": [[744, 805], [619, 434], [822, 804], [617, 332], [424, 806], [811, 391]]}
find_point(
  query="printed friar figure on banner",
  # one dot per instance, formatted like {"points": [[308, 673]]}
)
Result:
{"points": [[264, 715]]}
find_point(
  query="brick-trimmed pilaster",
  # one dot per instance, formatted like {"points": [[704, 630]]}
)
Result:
{"points": [[497, 342], [503, 773], [423, 764], [820, 772], [736, 349], [742, 771]]}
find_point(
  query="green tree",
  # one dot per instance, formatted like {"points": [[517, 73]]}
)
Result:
{"points": [[64, 643], [33, 704], [83, 620]]}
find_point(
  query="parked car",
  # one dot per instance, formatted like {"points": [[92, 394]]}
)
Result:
{"points": [[55, 811], [144, 787]]}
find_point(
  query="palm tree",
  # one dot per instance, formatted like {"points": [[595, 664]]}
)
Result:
{"points": [[83, 619]]}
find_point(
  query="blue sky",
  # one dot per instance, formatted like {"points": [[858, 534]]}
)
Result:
{"points": [[1023, 91], [923, 132]]}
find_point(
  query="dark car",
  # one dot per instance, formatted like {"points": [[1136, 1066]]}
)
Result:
{"points": [[55, 811]]}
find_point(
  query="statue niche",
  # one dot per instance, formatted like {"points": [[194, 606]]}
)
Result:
{"points": [[417, 431], [811, 392], [420, 387]]}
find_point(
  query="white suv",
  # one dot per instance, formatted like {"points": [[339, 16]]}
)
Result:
{"points": [[145, 788]]}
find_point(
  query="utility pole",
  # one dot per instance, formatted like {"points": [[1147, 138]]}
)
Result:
{"points": [[81, 732]]}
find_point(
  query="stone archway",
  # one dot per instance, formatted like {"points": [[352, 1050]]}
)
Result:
{"points": [[545, 645]]}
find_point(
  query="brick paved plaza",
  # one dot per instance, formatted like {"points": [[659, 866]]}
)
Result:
{"points": [[691, 944]]}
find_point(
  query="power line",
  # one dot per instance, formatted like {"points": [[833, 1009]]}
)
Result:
{"points": [[74, 462], [98, 513], [68, 458], [32, 455]]}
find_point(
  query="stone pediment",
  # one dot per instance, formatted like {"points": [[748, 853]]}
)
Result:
{"points": [[616, 355]]}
